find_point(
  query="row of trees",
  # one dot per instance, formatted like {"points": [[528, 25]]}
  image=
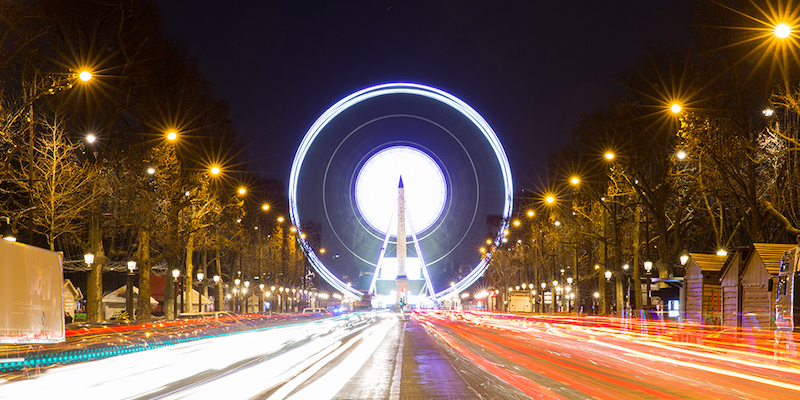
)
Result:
{"points": [[119, 163], [697, 151]]}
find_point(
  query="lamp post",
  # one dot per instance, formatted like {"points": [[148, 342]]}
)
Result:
{"points": [[216, 282], [129, 290], [201, 282], [544, 308], [89, 259], [571, 294], [246, 288], [648, 265], [555, 296], [8, 231], [236, 283], [175, 274]]}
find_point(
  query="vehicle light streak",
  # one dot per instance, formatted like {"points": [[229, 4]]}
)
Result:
{"points": [[614, 358], [253, 362], [525, 385], [720, 371], [328, 385]]}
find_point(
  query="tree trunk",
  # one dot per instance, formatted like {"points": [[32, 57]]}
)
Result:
{"points": [[620, 275], [145, 266], [189, 277], [207, 276], [220, 284], [94, 295], [636, 292], [601, 272], [169, 290]]}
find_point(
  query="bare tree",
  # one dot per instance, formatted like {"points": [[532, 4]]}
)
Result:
{"points": [[62, 190]]}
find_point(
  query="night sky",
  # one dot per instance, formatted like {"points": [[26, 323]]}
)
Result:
{"points": [[531, 67]]}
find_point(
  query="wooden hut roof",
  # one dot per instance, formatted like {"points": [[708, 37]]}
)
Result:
{"points": [[771, 254], [709, 262]]}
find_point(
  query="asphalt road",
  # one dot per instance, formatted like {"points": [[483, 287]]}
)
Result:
{"points": [[437, 355]]}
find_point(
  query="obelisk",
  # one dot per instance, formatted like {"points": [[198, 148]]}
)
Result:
{"points": [[401, 282]]}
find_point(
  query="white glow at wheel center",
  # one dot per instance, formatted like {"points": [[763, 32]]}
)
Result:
{"points": [[424, 186]]}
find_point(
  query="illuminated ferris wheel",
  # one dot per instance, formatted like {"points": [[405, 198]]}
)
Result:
{"points": [[344, 181]]}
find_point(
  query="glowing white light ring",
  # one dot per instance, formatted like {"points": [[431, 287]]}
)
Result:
{"points": [[426, 204], [388, 89]]}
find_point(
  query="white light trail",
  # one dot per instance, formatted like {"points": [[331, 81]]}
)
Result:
{"points": [[252, 362]]}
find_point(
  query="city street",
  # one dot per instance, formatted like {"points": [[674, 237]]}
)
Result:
{"points": [[434, 355]]}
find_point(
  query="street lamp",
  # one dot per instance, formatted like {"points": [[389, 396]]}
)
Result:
{"points": [[8, 231], [782, 31], [244, 291], [172, 136], [648, 265], [261, 298], [201, 282], [129, 290], [175, 274], [544, 308]]}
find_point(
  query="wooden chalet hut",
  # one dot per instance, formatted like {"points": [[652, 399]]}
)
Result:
{"points": [[72, 296], [703, 288], [759, 284], [731, 282]]}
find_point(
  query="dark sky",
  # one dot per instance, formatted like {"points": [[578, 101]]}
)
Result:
{"points": [[530, 67]]}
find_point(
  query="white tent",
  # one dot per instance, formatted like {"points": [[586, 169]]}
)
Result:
{"points": [[206, 302], [116, 301]]}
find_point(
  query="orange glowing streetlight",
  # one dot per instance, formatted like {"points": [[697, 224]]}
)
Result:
{"points": [[171, 135], [265, 207], [575, 180], [782, 31], [242, 190], [215, 170], [609, 155], [675, 108], [85, 76]]}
